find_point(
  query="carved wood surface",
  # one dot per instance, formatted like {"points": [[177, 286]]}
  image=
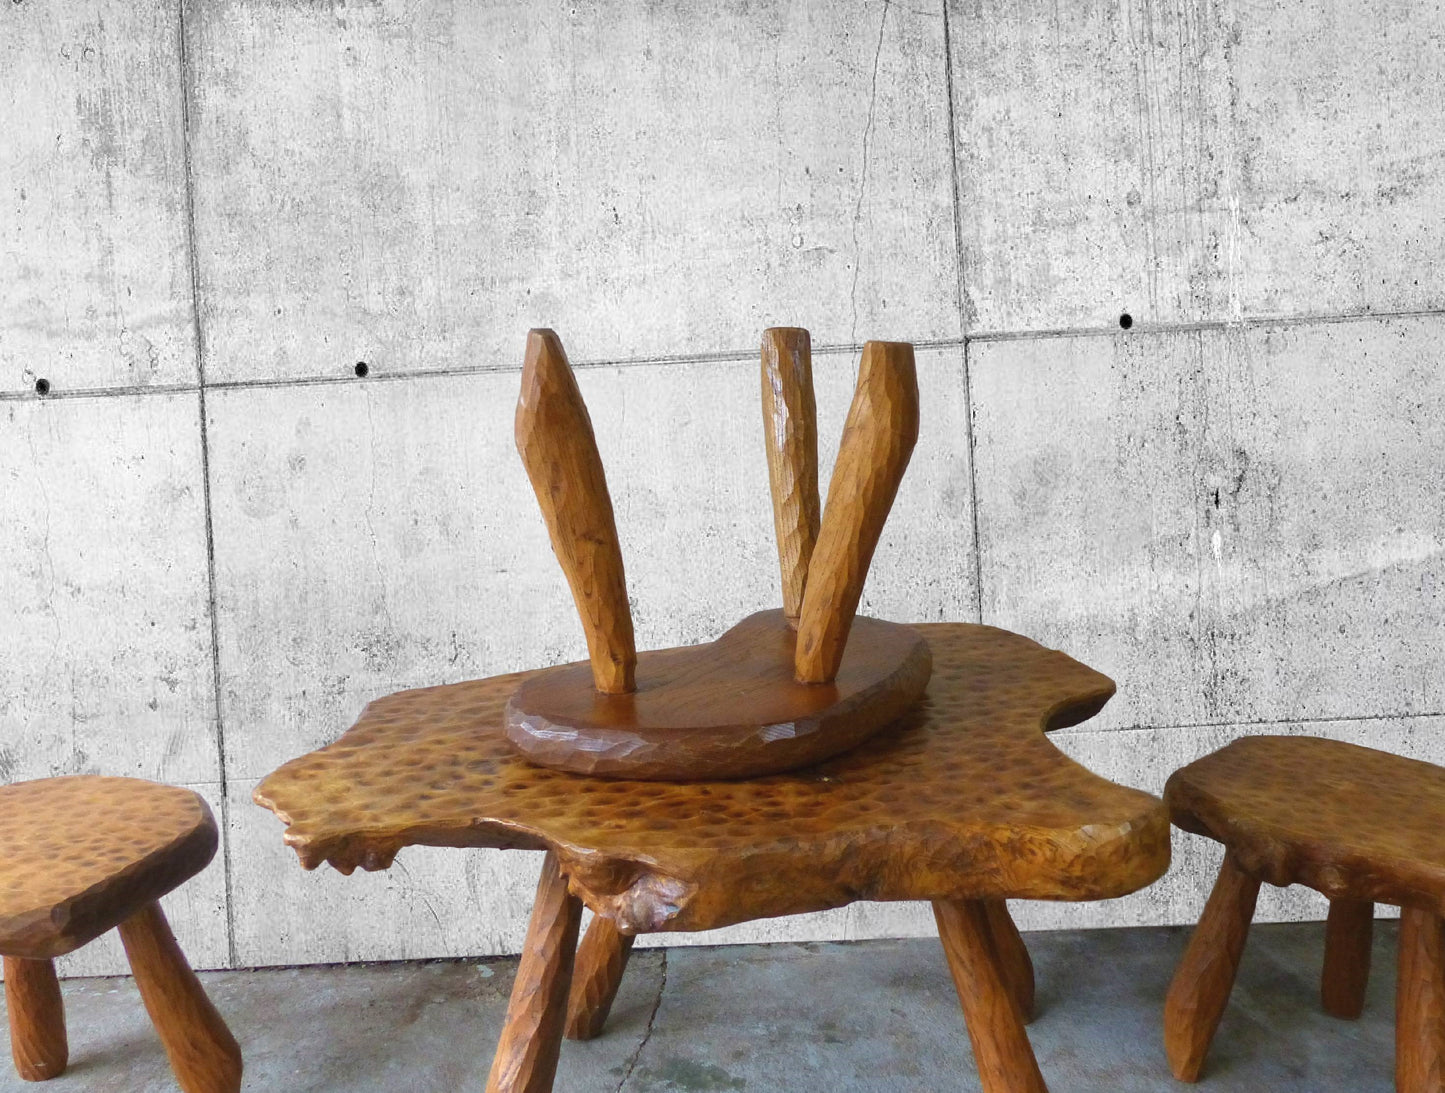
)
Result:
{"points": [[1420, 1004], [727, 709], [1205, 976], [555, 440], [1001, 1047], [1351, 822], [37, 1019], [81, 854], [790, 430], [1346, 971], [963, 799], [878, 439], [204, 1055], [1014, 962], [601, 960], [526, 1058]]}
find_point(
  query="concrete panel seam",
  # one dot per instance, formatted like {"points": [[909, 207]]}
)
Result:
{"points": [[863, 170], [1085, 730], [966, 318]]}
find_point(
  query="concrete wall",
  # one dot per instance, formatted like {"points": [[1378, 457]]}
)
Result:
{"points": [[222, 542]]}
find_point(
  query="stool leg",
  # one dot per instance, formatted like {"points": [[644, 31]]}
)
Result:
{"points": [[1205, 976], [1347, 957], [1013, 956], [37, 1018], [1001, 1048], [526, 1059], [1420, 1004], [204, 1055], [596, 975]]}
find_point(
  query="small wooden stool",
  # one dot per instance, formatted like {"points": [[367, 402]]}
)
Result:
{"points": [[79, 856], [1359, 825]]}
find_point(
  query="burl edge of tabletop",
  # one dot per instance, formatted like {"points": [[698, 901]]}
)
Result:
{"points": [[964, 798]]}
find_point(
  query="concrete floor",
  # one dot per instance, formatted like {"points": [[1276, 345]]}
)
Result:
{"points": [[877, 1015]]}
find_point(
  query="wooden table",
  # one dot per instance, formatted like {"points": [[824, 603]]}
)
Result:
{"points": [[964, 803]]}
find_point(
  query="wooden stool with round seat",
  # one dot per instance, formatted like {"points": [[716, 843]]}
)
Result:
{"points": [[79, 856], [1360, 826]]}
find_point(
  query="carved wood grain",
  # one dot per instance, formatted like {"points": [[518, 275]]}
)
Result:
{"points": [[559, 450], [1014, 962], [1346, 972], [37, 1019], [1001, 1047], [790, 431], [204, 1055], [878, 439], [1420, 1004], [596, 975], [526, 1058], [1205, 976]]}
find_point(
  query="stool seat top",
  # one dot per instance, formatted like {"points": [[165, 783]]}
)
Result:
{"points": [[1348, 821], [963, 798], [79, 855]]}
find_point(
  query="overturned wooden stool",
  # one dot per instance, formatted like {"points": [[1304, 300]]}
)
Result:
{"points": [[1359, 825], [78, 857]]}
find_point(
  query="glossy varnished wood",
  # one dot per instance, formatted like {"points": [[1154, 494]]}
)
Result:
{"points": [[790, 430], [965, 798], [727, 709], [37, 1018], [1205, 976], [1346, 972], [1014, 962], [203, 1053], [526, 1057], [596, 975], [81, 854], [555, 440], [1420, 1004], [1001, 1048], [878, 439]]}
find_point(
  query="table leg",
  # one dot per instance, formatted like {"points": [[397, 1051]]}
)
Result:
{"points": [[1001, 1048], [1347, 956], [526, 1059], [1205, 976], [596, 975], [1420, 1004], [1013, 956], [37, 1018]]}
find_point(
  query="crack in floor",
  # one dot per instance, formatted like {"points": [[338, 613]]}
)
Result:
{"points": [[647, 1032]]}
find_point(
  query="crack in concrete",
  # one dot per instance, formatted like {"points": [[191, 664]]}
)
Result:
{"points": [[647, 1032], [863, 173]]}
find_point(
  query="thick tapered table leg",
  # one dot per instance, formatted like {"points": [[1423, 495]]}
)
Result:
{"points": [[596, 975], [1001, 1047], [1205, 976], [526, 1059], [1013, 957], [1420, 1004], [1348, 933], [204, 1055], [37, 1018]]}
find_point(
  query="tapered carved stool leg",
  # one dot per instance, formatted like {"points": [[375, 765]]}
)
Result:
{"points": [[1420, 1004], [1348, 932], [204, 1055], [596, 975], [1001, 1047], [526, 1059], [1205, 976], [37, 1018], [1013, 957]]}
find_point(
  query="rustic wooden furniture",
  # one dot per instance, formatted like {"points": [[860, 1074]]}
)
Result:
{"points": [[960, 799], [1359, 825], [79, 856]]}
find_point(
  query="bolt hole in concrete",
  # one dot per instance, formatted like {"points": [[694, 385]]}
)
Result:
{"points": [[362, 368], [1126, 320], [42, 386]]}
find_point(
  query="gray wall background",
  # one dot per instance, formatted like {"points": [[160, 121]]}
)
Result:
{"points": [[220, 543]]}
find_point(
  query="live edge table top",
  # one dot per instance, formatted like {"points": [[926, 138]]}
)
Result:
{"points": [[964, 798]]}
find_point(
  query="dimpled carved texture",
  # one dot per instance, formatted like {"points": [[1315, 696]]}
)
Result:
{"points": [[79, 855], [963, 799], [1347, 821]]}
